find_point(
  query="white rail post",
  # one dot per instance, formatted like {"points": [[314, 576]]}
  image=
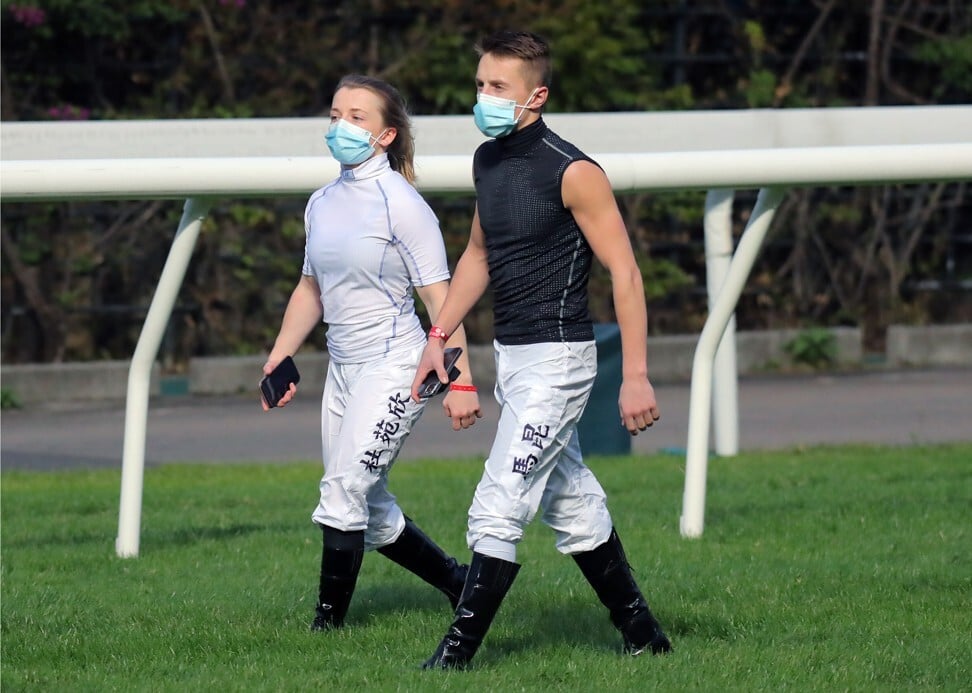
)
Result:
{"points": [[717, 225], [140, 374], [696, 458]]}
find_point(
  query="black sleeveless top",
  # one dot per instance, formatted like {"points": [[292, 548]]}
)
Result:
{"points": [[539, 261]]}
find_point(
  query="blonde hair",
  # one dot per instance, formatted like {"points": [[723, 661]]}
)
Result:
{"points": [[401, 152]]}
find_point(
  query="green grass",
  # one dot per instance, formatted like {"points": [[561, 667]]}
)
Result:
{"points": [[822, 569]]}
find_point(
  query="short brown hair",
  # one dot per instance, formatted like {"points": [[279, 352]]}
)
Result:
{"points": [[401, 152], [528, 47]]}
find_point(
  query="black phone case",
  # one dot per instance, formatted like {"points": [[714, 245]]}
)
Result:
{"points": [[276, 385], [432, 386]]}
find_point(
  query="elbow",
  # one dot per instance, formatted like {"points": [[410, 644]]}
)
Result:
{"points": [[628, 278]]}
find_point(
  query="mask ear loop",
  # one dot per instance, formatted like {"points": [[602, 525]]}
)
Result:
{"points": [[382, 134], [524, 107]]}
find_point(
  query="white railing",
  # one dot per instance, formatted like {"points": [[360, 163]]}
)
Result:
{"points": [[940, 151], [274, 176]]}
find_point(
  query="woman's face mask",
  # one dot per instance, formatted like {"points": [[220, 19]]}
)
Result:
{"points": [[350, 144], [496, 117]]}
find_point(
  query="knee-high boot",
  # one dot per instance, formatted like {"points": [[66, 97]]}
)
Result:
{"points": [[609, 573], [487, 583], [341, 556], [414, 551]]}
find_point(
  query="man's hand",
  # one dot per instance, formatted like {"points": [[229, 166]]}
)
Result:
{"points": [[637, 405], [462, 407]]}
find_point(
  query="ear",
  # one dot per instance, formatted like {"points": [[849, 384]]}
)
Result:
{"points": [[540, 98], [386, 139]]}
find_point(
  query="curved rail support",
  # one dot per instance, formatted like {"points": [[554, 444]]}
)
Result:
{"points": [[700, 400], [140, 374]]}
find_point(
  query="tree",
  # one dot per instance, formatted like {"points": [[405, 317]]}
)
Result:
{"points": [[77, 277]]}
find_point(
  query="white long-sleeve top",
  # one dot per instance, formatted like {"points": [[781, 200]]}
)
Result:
{"points": [[370, 239]]}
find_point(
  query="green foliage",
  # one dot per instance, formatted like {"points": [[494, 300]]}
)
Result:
{"points": [[815, 347], [34, 249], [683, 209], [756, 36], [760, 89], [662, 277], [439, 78], [953, 56], [119, 20], [842, 214], [677, 98], [9, 399], [598, 63], [105, 59], [820, 569]]}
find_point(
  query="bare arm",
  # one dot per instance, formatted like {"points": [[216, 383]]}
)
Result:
{"points": [[587, 193], [461, 406], [303, 314], [468, 284], [469, 281]]}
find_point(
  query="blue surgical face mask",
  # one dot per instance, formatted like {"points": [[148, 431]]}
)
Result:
{"points": [[349, 143], [496, 117]]}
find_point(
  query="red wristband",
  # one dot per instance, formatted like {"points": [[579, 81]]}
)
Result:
{"points": [[436, 332], [462, 388]]}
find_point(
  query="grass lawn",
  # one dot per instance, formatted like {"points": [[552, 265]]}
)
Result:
{"points": [[846, 568]]}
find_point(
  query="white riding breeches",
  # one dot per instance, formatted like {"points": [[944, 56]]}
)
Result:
{"points": [[536, 460], [366, 414]]}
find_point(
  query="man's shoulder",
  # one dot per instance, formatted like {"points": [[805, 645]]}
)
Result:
{"points": [[486, 155], [487, 148], [568, 148]]}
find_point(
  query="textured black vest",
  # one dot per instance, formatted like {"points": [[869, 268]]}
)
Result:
{"points": [[539, 261]]}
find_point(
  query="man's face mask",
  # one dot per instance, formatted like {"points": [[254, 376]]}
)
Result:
{"points": [[495, 117], [350, 144]]}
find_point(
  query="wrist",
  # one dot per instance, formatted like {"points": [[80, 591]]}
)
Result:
{"points": [[436, 332], [636, 373], [276, 355]]}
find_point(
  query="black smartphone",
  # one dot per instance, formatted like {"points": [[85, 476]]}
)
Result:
{"points": [[432, 386], [277, 384]]}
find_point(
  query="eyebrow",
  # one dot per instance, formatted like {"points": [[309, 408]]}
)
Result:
{"points": [[494, 82]]}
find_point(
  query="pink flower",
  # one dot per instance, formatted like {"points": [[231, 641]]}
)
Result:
{"points": [[28, 15], [69, 112]]}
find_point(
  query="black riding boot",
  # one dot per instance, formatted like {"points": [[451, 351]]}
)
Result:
{"points": [[488, 581], [340, 562], [609, 573], [414, 551]]}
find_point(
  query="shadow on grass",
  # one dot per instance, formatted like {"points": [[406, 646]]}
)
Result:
{"points": [[72, 536], [184, 536], [522, 625], [378, 599], [586, 627]]}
